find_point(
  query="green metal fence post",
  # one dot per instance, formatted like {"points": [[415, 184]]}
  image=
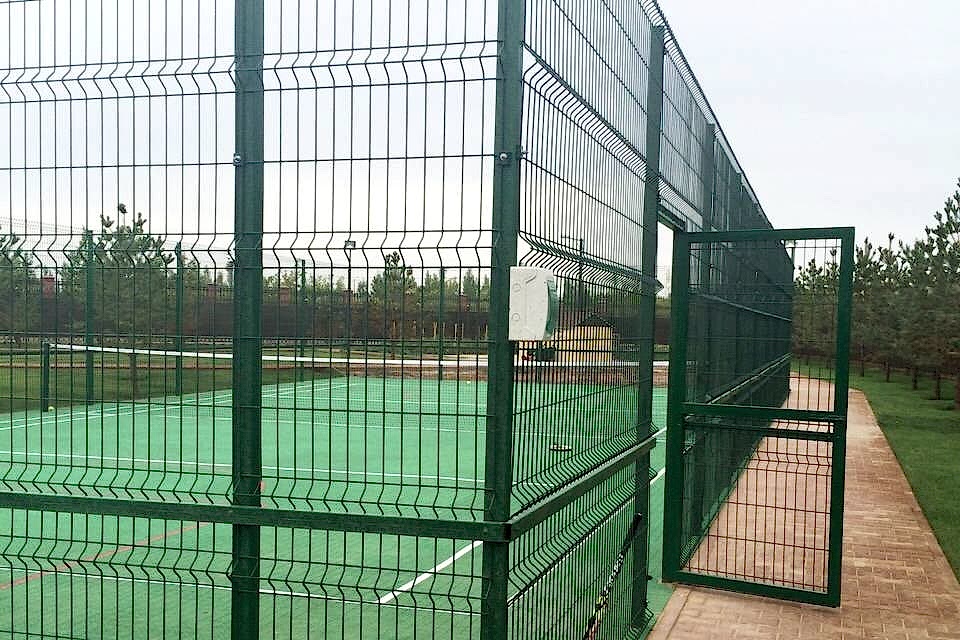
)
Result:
{"points": [[840, 390], [704, 352], [498, 454], [178, 338], [707, 171], [441, 314], [44, 376], [708, 175], [673, 479], [301, 351], [648, 304], [247, 308], [88, 316]]}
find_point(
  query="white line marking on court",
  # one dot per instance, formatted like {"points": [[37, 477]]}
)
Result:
{"points": [[160, 414], [430, 574], [71, 415], [660, 433], [216, 587], [659, 475]]}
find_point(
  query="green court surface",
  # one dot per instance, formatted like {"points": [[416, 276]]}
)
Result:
{"points": [[362, 445]]}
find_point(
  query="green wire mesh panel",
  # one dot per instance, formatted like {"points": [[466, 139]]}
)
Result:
{"points": [[255, 374], [91, 576], [740, 319], [555, 563], [583, 398], [760, 411], [138, 577], [589, 232]]}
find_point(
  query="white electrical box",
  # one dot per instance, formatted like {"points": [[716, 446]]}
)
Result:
{"points": [[534, 304]]}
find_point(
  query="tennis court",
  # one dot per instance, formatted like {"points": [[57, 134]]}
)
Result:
{"points": [[395, 445]]}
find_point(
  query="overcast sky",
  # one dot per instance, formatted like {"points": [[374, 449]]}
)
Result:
{"points": [[842, 112]]}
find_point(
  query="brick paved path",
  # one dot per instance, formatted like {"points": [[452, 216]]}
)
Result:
{"points": [[897, 584]]}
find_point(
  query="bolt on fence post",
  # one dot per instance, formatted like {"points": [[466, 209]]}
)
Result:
{"points": [[498, 454], [247, 310], [647, 320]]}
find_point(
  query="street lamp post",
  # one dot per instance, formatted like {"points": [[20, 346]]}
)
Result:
{"points": [[580, 292]]}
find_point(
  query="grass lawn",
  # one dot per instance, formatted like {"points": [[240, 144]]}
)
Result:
{"points": [[925, 436]]}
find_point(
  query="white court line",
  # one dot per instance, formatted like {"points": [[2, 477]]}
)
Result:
{"points": [[428, 575], [660, 433], [123, 411], [307, 422], [106, 411], [216, 587]]}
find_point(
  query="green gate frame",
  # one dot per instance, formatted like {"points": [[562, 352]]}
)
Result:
{"points": [[679, 409]]}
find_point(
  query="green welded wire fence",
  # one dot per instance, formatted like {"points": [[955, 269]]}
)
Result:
{"points": [[256, 377], [758, 412], [742, 302]]}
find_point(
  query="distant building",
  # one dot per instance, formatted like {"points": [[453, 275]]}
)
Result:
{"points": [[48, 286], [585, 337]]}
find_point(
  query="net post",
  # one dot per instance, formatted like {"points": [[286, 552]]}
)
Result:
{"points": [[178, 338], [498, 453], [88, 312], [648, 303], [247, 309], [44, 376]]}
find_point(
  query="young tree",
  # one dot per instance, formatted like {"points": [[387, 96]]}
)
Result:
{"points": [[866, 276], [942, 249], [889, 297], [815, 288], [432, 293], [19, 288], [131, 273], [476, 292], [393, 294], [912, 304]]}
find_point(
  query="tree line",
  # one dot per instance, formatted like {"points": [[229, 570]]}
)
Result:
{"points": [[906, 302], [130, 277]]}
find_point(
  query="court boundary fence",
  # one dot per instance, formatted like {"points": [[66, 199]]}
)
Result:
{"points": [[601, 132]]}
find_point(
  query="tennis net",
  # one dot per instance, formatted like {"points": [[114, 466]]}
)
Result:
{"points": [[84, 373]]}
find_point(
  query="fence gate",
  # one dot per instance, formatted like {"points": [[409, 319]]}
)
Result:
{"points": [[758, 411]]}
